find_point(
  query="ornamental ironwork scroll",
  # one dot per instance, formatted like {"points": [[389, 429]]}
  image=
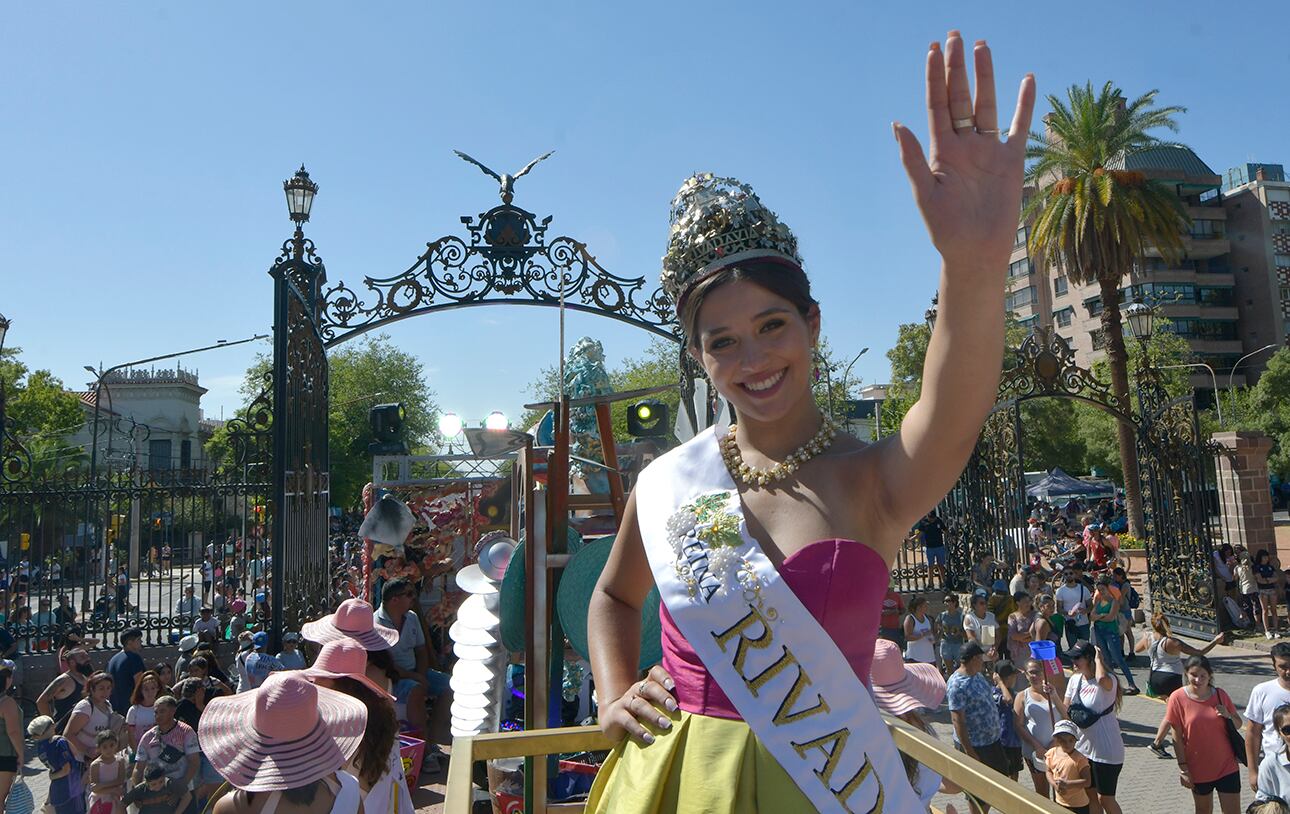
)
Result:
{"points": [[986, 510], [506, 257]]}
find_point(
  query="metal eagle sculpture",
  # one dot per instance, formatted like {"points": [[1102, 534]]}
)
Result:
{"points": [[507, 181]]}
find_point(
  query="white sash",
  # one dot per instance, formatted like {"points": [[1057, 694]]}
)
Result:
{"points": [[781, 670]]}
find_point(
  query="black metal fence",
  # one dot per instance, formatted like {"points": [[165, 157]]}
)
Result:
{"points": [[121, 546]]}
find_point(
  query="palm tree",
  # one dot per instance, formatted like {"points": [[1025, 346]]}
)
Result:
{"points": [[1093, 218]]}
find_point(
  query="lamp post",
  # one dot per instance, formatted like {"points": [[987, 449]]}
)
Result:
{"points": [[5, 322], [300, 190], [1218, 405], [1230, 374]]}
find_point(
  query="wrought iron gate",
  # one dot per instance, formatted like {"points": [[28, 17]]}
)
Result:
{"points": [[986, 511], [301, 482], [1175, 464]]}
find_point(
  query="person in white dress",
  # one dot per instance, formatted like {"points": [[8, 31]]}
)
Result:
{"points": [[920, 634]]}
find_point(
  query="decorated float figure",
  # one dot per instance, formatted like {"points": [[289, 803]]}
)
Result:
{"points": [[771, 539]]}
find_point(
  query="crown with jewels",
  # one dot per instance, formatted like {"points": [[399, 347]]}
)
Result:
{"points": [[717, 222]]}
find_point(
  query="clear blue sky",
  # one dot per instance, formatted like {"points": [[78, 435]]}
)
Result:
{"points": [[144, 146]]}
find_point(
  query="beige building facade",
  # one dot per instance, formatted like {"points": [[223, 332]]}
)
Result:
{"points": [[1227, 295]]}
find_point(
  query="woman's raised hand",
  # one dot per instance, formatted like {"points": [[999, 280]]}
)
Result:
{"points": [[968, 187], [648, 701]]}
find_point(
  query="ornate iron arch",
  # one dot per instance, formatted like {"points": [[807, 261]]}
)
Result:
{"points": [[506, 258]]}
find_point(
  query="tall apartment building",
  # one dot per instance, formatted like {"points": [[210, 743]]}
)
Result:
{"points": [[1214, 297], [1257, 200]]}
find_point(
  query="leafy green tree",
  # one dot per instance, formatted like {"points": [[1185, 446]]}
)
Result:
{"points": [[1097, 429], [1093, 220], [1269, 400], [36, 400], [363, 373]]}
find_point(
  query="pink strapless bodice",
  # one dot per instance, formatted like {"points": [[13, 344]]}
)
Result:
{"points": [[841, 582]]}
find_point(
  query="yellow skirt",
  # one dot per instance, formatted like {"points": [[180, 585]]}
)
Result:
{"points": [[701, 765]]}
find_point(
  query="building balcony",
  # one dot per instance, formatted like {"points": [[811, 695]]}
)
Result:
{"points": [[1199, 248]]}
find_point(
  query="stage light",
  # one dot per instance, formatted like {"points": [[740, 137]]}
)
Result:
{"points": [[387, 422], [450, 425], [496, 421], [648, 419]]}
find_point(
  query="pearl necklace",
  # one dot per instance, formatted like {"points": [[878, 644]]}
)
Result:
{"points": [[751, 476]]}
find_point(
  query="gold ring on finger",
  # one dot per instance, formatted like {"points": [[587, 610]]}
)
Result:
{"points": [[988, 132], [964, 124]]}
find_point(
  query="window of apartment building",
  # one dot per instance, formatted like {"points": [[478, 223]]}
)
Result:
{"points": [[1029, 322], [1094, 306], [159, 454], [1060, 285], [1020, 268], [1021, 238], [1207, 229], [185, 454], [1063, 317], [1213, 329], [1214, 296], [1024, 296]]}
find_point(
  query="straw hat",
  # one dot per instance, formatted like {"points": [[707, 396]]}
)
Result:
{"points": [[188, 643], [344, 658], [354, 619], [899, 687], [286, 734]]}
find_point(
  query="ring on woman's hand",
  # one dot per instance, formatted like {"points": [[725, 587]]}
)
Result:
{"points": [[989, 132], [964, 124]]}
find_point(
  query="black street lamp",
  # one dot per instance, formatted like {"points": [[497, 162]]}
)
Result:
{"points": [[1141, 318], [300, 195]]}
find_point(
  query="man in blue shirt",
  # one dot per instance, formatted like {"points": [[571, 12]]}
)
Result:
{"points": [[124, 667], [974, 714]]}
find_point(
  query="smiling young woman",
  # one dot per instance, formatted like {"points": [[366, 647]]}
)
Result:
{"points": [[771, 541]]}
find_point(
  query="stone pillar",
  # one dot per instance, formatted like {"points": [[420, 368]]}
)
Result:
{"points": [[1245, 498]]}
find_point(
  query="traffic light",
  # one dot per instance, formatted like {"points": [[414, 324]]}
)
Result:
{"points": [[387, 430], [648, 419]]}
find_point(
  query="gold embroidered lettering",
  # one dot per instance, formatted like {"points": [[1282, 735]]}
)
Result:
{"points": [[838, 741], [843, 794], [790, 701], [737, 629], [755, 684]]}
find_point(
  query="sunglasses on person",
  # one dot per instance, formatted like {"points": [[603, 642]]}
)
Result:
{"points": [[1285, 730]]}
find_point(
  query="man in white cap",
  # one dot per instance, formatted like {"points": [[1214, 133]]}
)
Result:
{"points": [[186, 647]]}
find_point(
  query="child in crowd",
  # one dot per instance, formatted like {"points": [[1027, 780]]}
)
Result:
{"points": [[1005, 675], [107, 776], [158, 794], [949, 624], [66, 793], [1068, 771], [1246, 584]]}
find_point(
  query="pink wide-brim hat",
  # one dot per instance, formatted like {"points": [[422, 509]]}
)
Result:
{"points": [[354, 619], [899, 687], [286, 734], [344, 658]]}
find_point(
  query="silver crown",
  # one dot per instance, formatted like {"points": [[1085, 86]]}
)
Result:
{"points": [[716, 219]]}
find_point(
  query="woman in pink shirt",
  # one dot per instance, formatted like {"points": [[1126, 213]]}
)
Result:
{"points": [[1198, 713]]}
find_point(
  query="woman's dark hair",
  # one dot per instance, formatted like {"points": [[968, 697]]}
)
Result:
{"points": [[1280, 715], [95, 680], [783, 279], [1020, 595], [1202, 663], [1262, 556], [6, 676], [916, 603], [200, 662], [373, 754], [382, 660]]}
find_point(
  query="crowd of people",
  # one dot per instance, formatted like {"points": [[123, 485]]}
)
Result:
{"points": [[231, 726], [1012, 708]]}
